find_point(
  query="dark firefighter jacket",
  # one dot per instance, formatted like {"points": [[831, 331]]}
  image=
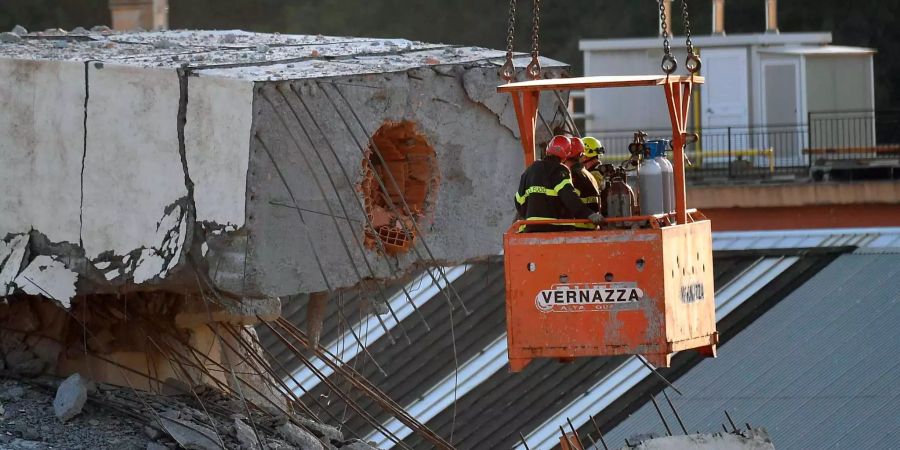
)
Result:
{"points": [[546, 192], [586, 187]]}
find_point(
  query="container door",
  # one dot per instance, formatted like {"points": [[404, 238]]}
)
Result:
{"points": [[725, 105], [781, 111]]}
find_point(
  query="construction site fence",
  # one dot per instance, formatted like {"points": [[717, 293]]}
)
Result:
{"points": [[867, 138]]}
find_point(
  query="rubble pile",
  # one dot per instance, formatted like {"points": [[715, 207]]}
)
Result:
{"points": [[113, 417]]}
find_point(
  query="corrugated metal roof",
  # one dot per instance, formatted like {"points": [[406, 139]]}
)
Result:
{"points": [[817, 370], [417, 368], [403, 304], [627, 375], [492, 414], [784, 239]]}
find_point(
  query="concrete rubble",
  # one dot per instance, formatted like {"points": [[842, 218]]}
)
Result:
{"points": [[70, 397], [295, 435], [754, 439], [122, 418], [245, 435], [190, 435]]}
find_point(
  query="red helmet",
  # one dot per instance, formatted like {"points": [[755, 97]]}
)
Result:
{"points": [[560, 147], [576, 149]]}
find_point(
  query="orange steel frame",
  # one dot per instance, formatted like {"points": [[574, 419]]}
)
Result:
{"points": [[667, 263], [526, 96]]}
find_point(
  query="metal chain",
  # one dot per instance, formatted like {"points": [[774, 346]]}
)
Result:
{"points": [[669, 64], [693, 61], [508, 70], [534, 67]]}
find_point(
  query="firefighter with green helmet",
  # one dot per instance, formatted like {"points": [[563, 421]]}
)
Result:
{"points": [[585, 184]]}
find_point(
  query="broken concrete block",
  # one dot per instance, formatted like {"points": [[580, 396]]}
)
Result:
{"points": [[358, 445], [152, 433], [245, 435], [49, 278], [299, 437], [12, 393], [10, 38], [190, 435], [70, 397], [327, 432], [12, 256], [23, 444], [757, 439]]}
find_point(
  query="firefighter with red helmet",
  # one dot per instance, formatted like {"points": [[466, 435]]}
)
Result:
{"points": [[546, 191]]}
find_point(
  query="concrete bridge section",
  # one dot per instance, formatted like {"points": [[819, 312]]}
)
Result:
{"points": [[263, 164]]}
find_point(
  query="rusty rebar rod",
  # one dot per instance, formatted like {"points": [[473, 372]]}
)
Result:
{"points": [[370, 390]]}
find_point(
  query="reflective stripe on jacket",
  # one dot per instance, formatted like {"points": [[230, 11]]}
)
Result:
{"points": [[546, 192], [586, 187]]}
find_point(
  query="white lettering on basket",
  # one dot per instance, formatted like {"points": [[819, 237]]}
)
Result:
{"points": [[588, 297]]}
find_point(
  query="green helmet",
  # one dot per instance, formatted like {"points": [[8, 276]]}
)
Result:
{"points": [[592, 147]]}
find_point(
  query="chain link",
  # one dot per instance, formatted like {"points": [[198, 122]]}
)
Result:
{"points": [[665, 27], [534, 67], [508, 70], [687, 26], [669, 64], [693, 61]]}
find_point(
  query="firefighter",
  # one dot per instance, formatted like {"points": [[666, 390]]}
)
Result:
{"points": [[591, 159], [546, 191], [585, 184]]}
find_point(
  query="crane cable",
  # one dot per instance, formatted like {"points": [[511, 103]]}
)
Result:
{"points": [[692, 63], [508, 70], [533, 70], [669, 64], [534, 67]]}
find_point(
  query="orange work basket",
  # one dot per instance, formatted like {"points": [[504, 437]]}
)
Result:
{"points": [[637, 285]]}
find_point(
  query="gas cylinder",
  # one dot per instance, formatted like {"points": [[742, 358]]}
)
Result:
{"points": [[619, 196], [668, 171], [657, 151], [607, 171], [651, 186], [634, 182]]}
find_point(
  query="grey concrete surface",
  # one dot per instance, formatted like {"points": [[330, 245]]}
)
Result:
{"points": [[139, 161]]}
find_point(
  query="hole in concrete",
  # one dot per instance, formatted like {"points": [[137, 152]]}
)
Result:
{"points": [[405, 164]]}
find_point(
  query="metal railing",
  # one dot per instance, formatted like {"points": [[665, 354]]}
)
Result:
{"points": [[833, 139]]}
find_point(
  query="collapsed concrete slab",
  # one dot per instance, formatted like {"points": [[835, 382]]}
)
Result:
{"points": [[160, 191], [145, 161]]}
